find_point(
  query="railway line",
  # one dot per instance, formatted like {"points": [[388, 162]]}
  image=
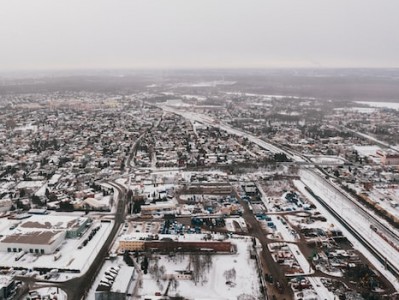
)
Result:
{"points": [[304, 162], [365, 212], [369, 246]]}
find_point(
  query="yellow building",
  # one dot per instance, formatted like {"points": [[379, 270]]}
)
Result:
{"points": [[130, 244]]}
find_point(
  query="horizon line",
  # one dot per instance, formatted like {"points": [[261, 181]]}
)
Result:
{"points": [[208, 68]]}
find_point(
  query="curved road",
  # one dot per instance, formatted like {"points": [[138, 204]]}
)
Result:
{"points": [[78, 287]]}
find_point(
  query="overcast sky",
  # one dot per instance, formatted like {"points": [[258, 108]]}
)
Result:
{"points": [[79, 34]]}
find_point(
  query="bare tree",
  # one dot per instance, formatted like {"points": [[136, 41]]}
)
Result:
{"points": [[174, 283], [208, 261], [230, 274], [195, 266]]}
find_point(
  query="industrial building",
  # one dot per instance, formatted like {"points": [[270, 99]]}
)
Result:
{"points": [[39, 242], [116, 284], [139, 242], [7, 287], [41, 234]]}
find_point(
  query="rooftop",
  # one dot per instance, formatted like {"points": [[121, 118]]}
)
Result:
{"points": [[122, 280], [5, 280], [52, 222], [34, 237]]}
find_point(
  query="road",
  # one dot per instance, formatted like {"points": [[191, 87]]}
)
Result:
{"points": [[78, 287], [130, 161], [215, 123], [268, 264], [370, 138], [297, 158]]}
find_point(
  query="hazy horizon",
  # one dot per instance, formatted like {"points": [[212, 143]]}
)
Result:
{"points": [[177, 34]]}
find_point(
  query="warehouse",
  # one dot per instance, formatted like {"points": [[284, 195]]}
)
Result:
{"points": [[7, 287], [38, 242], [74, 226], [41, 234], [117, 285]]}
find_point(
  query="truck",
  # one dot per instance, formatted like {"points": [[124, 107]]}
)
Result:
{"points": [[19, 255], [57, 256]]}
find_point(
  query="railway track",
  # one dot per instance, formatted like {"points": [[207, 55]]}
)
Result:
{"points": [[372, 248]]}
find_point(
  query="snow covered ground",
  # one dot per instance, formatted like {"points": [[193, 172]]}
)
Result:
{"points": [[287, 233], [320, 289], [107, 264], [392, 105], [371, 138], [367, 150], [326, 159], [50, 292], [213, 283], [301, 259], [364, 110], [348, 210], [388, 198]]}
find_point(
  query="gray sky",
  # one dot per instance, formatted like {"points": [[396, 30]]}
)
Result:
{"points": [[75, 34]]}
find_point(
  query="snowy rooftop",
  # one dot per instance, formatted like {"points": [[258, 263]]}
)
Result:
{"points": [[367, 150], [52, 222], [180, 238], [122, 280], [5, 281], [72, 257], [34, 237], [103, 203], [29, 184]]}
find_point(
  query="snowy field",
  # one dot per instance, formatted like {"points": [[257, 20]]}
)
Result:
{"points": [[392, 105], [107, 264], [367, 150], [325, 159], [363, 110], [387, 198], [228, 277]]}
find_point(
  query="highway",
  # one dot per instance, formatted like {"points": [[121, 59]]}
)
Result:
{"points": [[211, 122], [297, 158]]}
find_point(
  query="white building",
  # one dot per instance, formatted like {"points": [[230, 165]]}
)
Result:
{"points": [[7, 287], [34, 241], [119, 288], [41, 234]]}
